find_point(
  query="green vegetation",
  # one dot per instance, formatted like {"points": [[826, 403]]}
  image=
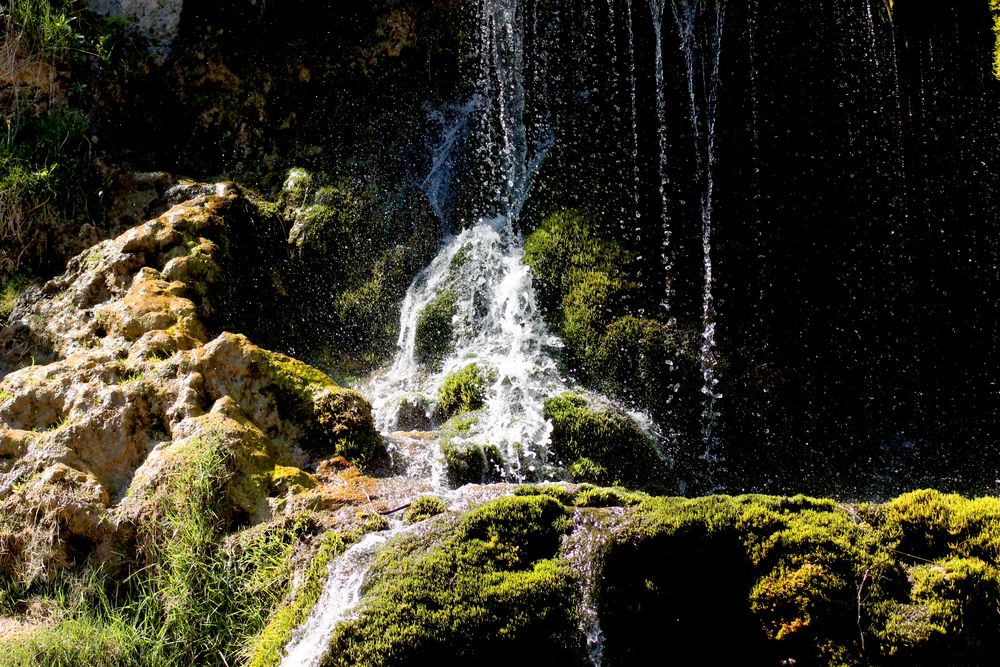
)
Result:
{"points": [[582, 279], [474, 590], [470, 463], [463, 391], [339, 421], [434, 329], [995, 8], [203, 596], [47, 180], [9, 293], [598, 444], [424, 507]]}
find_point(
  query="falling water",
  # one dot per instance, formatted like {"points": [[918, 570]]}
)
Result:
{"points": [[496, 323], [656, 8], [686, 15], [340, 595], [584, 549]]}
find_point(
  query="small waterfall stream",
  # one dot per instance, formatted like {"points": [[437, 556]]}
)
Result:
{"points": [[340, 595]]}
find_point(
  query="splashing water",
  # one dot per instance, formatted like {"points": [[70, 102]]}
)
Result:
{"points": [[497, 325]]}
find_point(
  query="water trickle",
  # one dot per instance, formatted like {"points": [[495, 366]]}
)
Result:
{"points": [[584, 550], [340, 595], [656, 8], [702, 60]]}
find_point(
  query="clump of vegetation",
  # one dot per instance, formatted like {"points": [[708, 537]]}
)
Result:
{"points": [[463, 391], [47, 179], [470, 592], [435, 329], [424, 507], [9, 292], [583, 284], [995, 8], [472, 463], [604, 442]]}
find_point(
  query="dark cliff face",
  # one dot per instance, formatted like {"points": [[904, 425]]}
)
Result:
{"points": [[853, 169]]}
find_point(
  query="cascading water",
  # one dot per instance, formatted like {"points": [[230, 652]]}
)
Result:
{"points": [[495, 322]]}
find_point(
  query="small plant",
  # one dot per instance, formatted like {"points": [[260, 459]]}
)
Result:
{"points": [[9, 293], [133, 377], [5, 395], [423, 508]]}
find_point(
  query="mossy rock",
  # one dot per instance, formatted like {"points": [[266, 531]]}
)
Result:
{"points": [[463, 391], [435, 329], [471, 463], [607, 438], [567, 246], [338, 421], [470, 591]]}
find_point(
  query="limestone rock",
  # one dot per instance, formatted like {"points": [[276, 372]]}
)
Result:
{"points": [[135, 386]]}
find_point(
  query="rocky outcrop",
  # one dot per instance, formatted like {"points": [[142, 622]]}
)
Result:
{"points": [[138, 383]]}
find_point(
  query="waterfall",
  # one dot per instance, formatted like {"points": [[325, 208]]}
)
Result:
{"points": [[494, 321]]}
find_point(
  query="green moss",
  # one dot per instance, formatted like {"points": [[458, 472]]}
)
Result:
{"points": [[472, 591], [286, 479], [565, 247], [295, 376], [605, 497], [586, 470], [471, 463], [608, 438], [560, 493], [995, 8], [594, 301], [339, 421], [434, 329], [267, 650], [463, 391], [424, 507]]}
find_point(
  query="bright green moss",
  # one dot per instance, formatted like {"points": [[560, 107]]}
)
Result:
{"points": [[563, 248], [476, 591], [586, 470], [463, 391], [605, 497], [471, 463], [592, 303], [560, 493], [434, 329], [295, 376], [608, 438], [995, 7]]}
